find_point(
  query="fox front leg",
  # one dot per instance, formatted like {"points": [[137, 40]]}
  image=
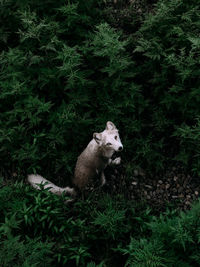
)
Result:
{"points": [[116, 161], [103, 179]]}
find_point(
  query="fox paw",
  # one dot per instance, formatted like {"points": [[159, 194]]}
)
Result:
{"points": [[103, 180], [116, 161]]}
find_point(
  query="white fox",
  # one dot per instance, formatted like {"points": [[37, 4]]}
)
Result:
{"points": [[92, 161]]}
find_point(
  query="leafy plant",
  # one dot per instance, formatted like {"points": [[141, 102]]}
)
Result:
{"points": [[66, 68]]}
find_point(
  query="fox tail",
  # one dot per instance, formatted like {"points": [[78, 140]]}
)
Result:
{"points": [[36, 180]]}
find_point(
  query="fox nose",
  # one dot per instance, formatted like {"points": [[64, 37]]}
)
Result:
{"points": [[120, 148]]}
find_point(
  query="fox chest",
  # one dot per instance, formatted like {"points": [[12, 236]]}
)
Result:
{"points": [[101, 164]]}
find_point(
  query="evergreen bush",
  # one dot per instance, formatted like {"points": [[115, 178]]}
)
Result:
{"points": [[38, 229], [67, 67], [65, 71]]}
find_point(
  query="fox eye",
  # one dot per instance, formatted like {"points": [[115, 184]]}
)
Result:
{"points": [[108, 144], [115, 137]]}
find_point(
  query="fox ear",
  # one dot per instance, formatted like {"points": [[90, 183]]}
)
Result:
{"points": [[97, 137], [110, 126]]}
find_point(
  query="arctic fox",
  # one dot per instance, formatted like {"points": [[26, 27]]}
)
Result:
{"points": [[91, 162]]}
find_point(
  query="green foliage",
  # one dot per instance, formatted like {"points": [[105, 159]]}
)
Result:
{"points": [[66, 67], [104, 232], [24, 253], [169, 240], [167, 44], [144, 253], [65, 71], [44, 87], [189, 141], [21, 251], [110, 220]]}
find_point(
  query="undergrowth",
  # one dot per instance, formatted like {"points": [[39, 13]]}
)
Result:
{"points": [[39, 229]]}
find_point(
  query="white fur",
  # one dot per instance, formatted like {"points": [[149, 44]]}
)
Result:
{"points": [[116, 161], [36, 181], [103, 145]]}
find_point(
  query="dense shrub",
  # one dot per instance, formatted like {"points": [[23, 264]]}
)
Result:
{"points": [[65, 71], [66, 67], [168, 42], [44, 86], [38, 229]]}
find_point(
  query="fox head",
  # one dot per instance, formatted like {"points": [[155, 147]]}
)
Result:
{"points": [[109, 139]]}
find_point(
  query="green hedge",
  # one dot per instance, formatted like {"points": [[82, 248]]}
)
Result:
{"points": [[68, 67]]}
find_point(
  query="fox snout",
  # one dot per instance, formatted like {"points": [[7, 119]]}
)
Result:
{"points": [[120, 148]]}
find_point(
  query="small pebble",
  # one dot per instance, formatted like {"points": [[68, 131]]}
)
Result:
{"points": [[134, 183], [148, 186], [167, 186], [175, 178], [187, 203]]}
